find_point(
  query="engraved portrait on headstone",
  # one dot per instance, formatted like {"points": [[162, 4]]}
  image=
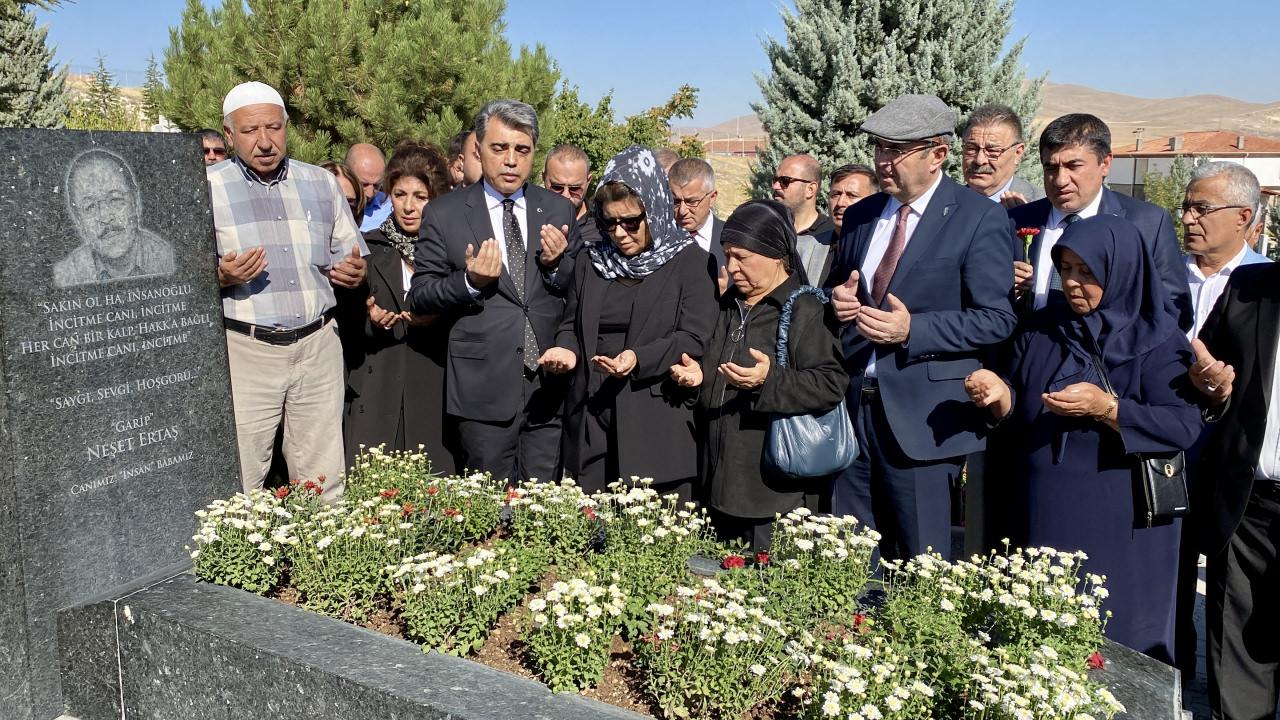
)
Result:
{"points": [[104, 206]]}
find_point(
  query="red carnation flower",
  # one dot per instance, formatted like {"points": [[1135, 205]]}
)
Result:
{"points": [[762, 558], [733, 562], [433, 490], [451, 511], [859, 619], [282, 492], [1096, 662], [590, 513], [407, 510], [389, 493], [1032, 231]]}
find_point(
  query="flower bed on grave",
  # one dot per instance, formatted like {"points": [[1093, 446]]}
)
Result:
{"points": [[584, 590]]}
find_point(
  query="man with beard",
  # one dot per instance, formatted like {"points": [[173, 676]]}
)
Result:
{"points": [[567, 173], [795, 185], [106, 211], [992, 147]]}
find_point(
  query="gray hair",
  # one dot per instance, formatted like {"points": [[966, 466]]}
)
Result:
{"points": [[687, 170], [994, 114], [569, 152], [512, 113], [1241, 186]]}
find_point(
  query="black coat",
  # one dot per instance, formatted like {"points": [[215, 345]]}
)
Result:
{"points": [[673, 313], [390, 372], [485, 365], [736, 421]]}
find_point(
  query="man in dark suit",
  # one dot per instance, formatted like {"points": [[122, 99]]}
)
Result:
{"points": [[1236, 497], [693, 191], [497, 256], [1075, 151], [991, 151], [919, 284]]}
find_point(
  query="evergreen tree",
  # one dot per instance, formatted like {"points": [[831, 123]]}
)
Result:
{"points": [[596, 131], [151, 91], [101, 106], [31, 90], [351, 71], [844, 59]]}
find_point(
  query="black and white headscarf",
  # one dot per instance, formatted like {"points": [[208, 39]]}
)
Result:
{"points": [[636, 168]]}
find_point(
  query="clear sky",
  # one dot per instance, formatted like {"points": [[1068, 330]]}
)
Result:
{"points": [[645, 50]]}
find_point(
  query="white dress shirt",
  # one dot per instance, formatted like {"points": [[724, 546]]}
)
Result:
{"points": [[1049, 237], [493, 200], [995, 196], [1205, 291], [1269, 456], [703, 238], [881, 236]]}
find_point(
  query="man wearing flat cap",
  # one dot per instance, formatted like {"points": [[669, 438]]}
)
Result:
{"points": [[921, 286], [285, 239]]}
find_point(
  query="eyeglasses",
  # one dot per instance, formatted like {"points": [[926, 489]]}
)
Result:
{"points": [[691, 203], [630, 224], [896, 153], [1200, 209], [560, 188], [784, 182], [971, 150]]}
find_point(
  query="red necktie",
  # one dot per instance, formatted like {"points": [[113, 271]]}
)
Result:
{"points": [[889, 263]]}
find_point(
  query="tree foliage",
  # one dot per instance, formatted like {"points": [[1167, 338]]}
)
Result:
{"points": [[1167, 190], [101, 106], [151, 89], [844, 59], [350, 71], [31, 90], [601, 136]]}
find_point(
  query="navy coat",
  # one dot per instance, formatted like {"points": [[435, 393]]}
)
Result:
{"points": [[954, 277], [1154, 225]]}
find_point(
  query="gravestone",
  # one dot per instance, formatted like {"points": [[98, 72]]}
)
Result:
{"points": [[115, 415]]}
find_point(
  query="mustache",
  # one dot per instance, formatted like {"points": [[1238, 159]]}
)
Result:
{"points": [[986, 169]]}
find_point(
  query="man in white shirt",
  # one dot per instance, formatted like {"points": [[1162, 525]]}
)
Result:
{"points": [[693, 193]]}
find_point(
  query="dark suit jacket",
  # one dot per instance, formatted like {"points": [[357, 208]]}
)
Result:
{"points": [[1154, 225], [485, 367], [674, 311], [1241, 332], [954, 277]]}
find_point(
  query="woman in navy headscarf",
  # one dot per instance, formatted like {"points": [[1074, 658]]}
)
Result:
{"points": [[1065, 443]]}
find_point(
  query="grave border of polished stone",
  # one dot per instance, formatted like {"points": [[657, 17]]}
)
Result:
{"points": [[177, 647]]}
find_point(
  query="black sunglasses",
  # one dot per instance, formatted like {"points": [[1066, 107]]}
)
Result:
{"points": [[784, 181], [630, 224]]}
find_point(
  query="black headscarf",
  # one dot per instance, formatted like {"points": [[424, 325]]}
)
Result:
{"points": [[765, 227]]}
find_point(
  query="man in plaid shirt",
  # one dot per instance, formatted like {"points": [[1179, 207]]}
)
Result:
{"points": [[285, 240]]}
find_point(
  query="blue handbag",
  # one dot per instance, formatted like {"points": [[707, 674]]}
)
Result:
{"points": [[806, 446]]}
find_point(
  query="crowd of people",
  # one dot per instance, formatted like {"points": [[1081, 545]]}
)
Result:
{"points": [[611, 326]]}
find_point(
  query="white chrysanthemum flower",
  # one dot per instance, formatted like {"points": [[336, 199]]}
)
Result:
{"points": [[582, 640]]}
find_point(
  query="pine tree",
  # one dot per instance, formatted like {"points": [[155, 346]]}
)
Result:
{"points": [[31, 90], [351, 71], [101, 106], [150, 92], [844, 59]]}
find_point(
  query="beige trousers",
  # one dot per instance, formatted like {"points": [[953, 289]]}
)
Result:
{"points": [[304, 384]]}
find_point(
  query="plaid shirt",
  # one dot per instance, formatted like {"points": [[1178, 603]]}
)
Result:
{"points": [[302, 221]]}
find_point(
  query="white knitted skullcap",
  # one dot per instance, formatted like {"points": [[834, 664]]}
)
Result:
{"points": [[250, 93]]}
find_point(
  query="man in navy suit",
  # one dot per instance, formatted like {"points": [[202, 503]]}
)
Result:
{"points": [[1075, 151], [495, 258], [920, 284]]}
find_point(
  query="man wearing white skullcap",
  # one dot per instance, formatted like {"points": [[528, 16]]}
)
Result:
{"points": [[285, 241]]}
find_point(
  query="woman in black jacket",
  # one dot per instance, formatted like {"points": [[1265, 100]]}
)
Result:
{"points": [[395, 359], [644, 300], [741, 387]]}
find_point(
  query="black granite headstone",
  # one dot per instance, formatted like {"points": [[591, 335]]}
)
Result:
{"points": [[115, 415]]}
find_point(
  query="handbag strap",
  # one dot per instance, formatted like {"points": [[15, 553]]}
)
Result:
{"points": [[1102, 375], [784, 322]]}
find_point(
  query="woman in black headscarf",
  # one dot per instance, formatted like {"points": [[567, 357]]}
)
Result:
{"points": [[1064, 444], [741, 386], [642, 302]]}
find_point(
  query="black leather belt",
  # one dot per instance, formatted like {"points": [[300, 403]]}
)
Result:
{"points": [[275, 336], [870, 386]]}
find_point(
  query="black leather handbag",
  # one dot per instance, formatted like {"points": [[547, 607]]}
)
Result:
{"points": [[1159, 479]]}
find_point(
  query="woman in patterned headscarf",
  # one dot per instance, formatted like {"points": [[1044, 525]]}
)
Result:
{"points": [[642, 301], [395, 359]]}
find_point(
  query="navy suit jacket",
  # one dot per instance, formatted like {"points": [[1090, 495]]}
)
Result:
{"points": [[1154, 226], [484, 367], [954, 277]]}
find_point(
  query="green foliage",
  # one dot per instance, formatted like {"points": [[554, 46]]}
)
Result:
{"points": [[601, 136], [1167, 190], [844, 59], [151, 89], [31, 91], [101, 106], [570, 632], [1273, 232], [351, 71]]}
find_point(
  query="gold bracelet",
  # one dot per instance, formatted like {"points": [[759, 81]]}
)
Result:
{"points": [[1111, 406]]}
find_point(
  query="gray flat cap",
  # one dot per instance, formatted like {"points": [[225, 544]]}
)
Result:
{"points": [[911, 117]]}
